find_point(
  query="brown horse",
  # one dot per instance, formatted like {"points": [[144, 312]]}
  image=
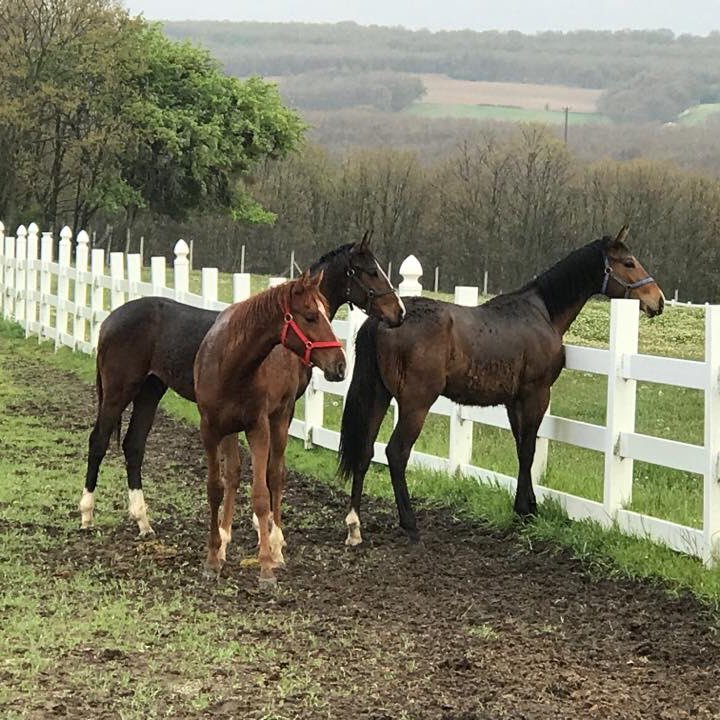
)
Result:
{"points": [[508, 351], [148, 345], [293, 314]]}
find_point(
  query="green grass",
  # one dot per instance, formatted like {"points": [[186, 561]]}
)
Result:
{"points": [[698, 114], [501, 113]]}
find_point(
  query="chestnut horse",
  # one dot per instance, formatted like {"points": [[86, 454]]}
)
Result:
{"points": [[508, 351], [294, 314], [148, 345]]}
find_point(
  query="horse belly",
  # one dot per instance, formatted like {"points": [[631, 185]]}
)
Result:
{"points": [[492, 382]]}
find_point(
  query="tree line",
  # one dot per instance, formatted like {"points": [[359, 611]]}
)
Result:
{"points": [[511, 205], [647, 74]]}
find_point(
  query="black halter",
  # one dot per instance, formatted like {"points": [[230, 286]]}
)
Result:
{"points": [[370, 294], [628, 286]]}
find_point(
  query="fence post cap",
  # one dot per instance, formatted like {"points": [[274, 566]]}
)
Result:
{"points": [[33, 228], [411, 267], [21, 231], [66, 234], [83, 238], [181, 249]]}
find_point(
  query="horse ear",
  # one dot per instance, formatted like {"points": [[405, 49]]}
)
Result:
{"points": [[315, 280], [365, 242], [620, 239]]}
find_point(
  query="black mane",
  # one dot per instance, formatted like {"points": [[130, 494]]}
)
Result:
{"points": [[328, 256], [579, 275]]}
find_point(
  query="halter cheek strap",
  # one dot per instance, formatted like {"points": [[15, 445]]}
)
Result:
{"points": [[370, 293], [310, 345], [609, 273]]}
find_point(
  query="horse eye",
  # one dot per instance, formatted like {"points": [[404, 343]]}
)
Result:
{"points": [[629, 264], [372, 272], [313, 318]]}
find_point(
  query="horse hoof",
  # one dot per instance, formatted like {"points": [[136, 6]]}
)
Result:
{"points": [[210, 573], [267, 583], [146, 534], [353, 541]]}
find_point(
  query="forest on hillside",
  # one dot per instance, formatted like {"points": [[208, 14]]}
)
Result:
{"points": [[646, 75]]}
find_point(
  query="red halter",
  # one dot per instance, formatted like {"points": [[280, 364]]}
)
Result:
{"points": [[310, 345]]}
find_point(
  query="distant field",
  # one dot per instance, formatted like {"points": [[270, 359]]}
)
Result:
{"points": [[444, 90], [502, 113], [698, 114]]}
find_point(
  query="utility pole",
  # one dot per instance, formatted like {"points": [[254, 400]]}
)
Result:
{"points": [[567, 110]]}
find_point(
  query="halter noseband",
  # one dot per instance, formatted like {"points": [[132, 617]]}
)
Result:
{"points": [[370, 293], [609, 273], [310, 345]]}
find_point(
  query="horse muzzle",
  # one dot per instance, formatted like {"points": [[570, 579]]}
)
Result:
{"points": [[336, 371]]}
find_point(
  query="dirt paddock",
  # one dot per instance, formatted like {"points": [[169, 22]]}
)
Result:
{"points": [[471, 626]]}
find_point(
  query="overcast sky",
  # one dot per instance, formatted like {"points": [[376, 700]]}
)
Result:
{"points": [[682, 16]]}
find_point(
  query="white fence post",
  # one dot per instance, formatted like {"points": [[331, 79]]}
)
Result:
{"points": [[80, 295], [209, 286], [240, 287], [411, 271], [314, 407], [356, 318], [47, 245], [97, 294], [461, 430], [20, 270], [181, 270], [117, 275], [31, 287], [63, 284], [621, 399], [9, 262], [157, 274], [711, 484], [134, 275]]}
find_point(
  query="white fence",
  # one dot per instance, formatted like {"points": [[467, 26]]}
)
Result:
{"points": [[66, 303]]}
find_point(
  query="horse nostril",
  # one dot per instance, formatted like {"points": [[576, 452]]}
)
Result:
{"points": [[341, 370]]}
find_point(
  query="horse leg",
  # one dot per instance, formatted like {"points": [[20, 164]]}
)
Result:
{"points": [[214, 495], [110, 410], [398, 453], [529, 412], [259, 440], [276, 473], [232, 462], [143, 414], [381, 401]]}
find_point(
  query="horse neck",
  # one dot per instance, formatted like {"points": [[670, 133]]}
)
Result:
{"points": [[255, 331], [333, 287], [568, 285]]}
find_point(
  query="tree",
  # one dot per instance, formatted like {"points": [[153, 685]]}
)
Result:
{"points": [[104, 113]]}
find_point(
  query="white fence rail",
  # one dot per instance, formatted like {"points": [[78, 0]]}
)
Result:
{"points": [[66, 303]]}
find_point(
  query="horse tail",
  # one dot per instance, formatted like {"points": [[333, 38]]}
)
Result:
{"points": [[99, 391], [365, 392]]}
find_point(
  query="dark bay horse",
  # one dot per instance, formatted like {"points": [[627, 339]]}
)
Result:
{"points": [[148, 345], [508, 351], [294, 314]]}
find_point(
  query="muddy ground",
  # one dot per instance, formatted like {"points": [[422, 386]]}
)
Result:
{"points": [[472, 626]]}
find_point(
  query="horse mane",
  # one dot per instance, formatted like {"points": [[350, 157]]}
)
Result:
{"points": [[575, 276], [331, 255], [257, 309]]}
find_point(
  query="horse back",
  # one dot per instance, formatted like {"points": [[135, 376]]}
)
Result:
{"points": [[155, 336]]}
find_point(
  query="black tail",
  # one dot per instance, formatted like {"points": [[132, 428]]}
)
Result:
{"points": [[365, 387], [99, 391]]}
